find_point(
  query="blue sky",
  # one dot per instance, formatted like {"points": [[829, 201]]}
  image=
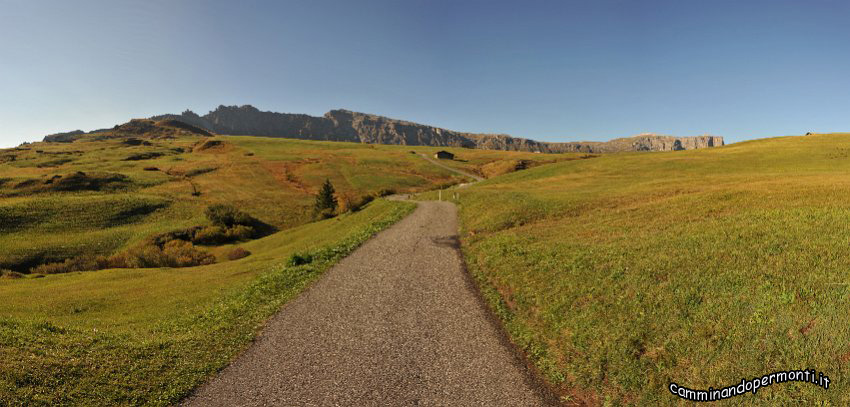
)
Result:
{"points": [[558, 71]]}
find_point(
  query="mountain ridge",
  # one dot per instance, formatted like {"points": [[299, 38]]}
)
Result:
{"points": [[350, 126]]}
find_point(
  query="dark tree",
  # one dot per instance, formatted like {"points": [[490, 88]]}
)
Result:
{"points": [[326, 199]]}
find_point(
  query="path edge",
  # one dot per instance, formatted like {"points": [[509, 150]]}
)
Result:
{"points": [[532, 374], [258, 330]]}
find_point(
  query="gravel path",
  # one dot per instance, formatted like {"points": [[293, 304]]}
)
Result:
{"points": [[397, 323]]}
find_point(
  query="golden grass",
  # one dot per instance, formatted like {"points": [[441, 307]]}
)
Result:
{"points": [[626, 272]]}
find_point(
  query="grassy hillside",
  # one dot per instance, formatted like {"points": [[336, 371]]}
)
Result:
{"points": [[148, 336], [627, 272], [105, 193], [491, 163]]}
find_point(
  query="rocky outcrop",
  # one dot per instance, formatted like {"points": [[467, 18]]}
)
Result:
{"points": [[345, 125], [69, 137], [66, 137], [641, 142]]}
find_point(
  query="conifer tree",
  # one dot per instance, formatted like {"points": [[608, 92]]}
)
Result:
{"points": [[326, 199]]}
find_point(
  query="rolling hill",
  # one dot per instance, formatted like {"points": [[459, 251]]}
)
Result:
{"points": [[622, 274], [108, 192], [616, 273], [119, 286]]}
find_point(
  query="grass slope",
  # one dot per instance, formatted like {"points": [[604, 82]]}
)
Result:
{"points": [[490, 163], [624, 273], [117, 203], [149, 336]]}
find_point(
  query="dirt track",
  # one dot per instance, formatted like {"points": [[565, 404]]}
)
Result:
{"points": [[395, 323], [455, 170]]}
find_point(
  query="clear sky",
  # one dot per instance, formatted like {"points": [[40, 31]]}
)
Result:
{"points": [[558, 71]]}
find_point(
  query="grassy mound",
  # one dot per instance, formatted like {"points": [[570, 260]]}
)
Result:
{"points": [[70, 182], [50, 229], [177, 124], [207, 144]]}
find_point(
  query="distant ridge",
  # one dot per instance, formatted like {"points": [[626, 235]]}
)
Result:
{"points": [[345, 125]]}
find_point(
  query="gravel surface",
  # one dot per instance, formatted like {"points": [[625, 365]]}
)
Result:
{"points": [[397, 323]]}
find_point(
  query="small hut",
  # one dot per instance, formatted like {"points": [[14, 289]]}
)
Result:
{"points": [[444, 155]]}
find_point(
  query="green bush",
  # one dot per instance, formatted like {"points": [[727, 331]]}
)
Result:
{"points": [[180, 253], [298, 259], [175, 253], [358, 204], [228, 216], [210, 235], [80, 263], [240, 232], [145, 256], [325, 214]]}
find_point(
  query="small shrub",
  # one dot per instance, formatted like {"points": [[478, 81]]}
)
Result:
{"points": [[146, 256], [211, 235], [119, 261], [237, 253], [49, 268], [240, 232], [175, 253], [358, 204], [182, 234], [180, 253], [325, 214], [298, 259], [228, 216], [150, 169], [80, 263]]}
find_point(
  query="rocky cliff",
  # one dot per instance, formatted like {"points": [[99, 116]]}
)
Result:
{"points": [[641, 142], [345, 125]]}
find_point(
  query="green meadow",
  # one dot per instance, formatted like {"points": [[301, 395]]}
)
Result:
{"points": [[617, 274], [118, 202], [149, 336], [621, 274]]}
